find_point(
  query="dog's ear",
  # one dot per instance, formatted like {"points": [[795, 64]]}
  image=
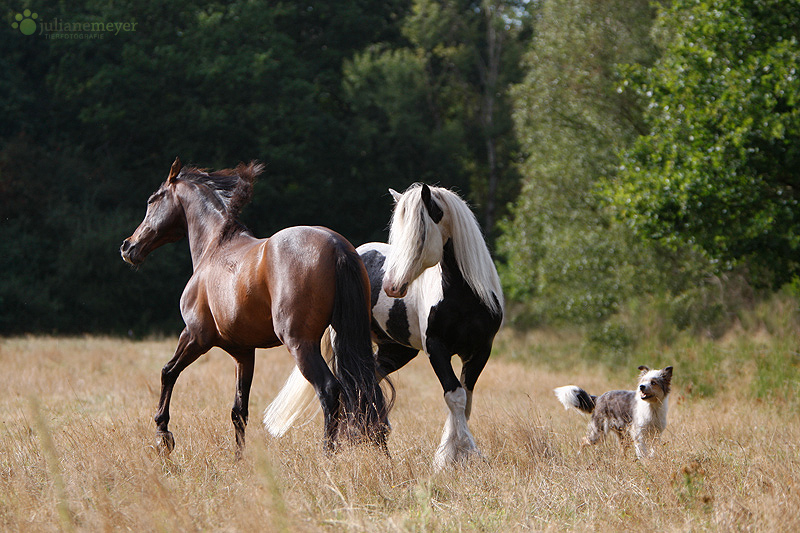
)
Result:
{"points": [[643, 369], [395, 195], [667, 373]]}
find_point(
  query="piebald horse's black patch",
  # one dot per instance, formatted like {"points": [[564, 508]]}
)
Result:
{"points": [[460, 323], [397, 325], [434, 210], [374, 260]]}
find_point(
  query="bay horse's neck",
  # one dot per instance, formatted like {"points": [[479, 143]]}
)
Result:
{"points": [[204, 224]]}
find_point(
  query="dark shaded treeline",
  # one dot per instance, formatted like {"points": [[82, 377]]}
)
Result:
{"points": [[653, 144], [91, 125]]}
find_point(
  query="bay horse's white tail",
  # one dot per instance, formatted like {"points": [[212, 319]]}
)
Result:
{"points": [[297, 399]]}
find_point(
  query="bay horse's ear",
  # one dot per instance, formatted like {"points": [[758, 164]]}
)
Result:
{"points": [[174, 170], [433, 208], [395, 195]]}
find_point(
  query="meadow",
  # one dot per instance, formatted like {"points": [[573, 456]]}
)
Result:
{"points": [[76, 447]]}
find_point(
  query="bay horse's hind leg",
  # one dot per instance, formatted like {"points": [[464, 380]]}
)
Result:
{"points": [[308, 357], [245, 364], [186, 353]]}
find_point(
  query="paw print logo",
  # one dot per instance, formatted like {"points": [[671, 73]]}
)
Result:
{"points": [[25, 22]]}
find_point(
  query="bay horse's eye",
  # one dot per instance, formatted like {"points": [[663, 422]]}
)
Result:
{"points": [[154, 197]]}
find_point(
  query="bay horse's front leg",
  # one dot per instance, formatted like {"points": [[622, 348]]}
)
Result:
{"points": [[245, 364], [186, 353]]}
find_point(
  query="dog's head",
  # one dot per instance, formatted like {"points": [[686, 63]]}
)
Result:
{"points": [[654, 384]]}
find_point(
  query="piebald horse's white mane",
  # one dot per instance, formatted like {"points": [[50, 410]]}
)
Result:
{"points": [[417, 242]]}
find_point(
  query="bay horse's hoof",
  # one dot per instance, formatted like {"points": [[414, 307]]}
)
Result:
{"points": [[165, 443]]}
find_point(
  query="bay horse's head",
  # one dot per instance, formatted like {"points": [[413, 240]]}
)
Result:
{"points": [[163, 223], [417, 235]]}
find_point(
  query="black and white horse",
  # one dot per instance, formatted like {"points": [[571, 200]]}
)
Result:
{"points": [[434, 289]]}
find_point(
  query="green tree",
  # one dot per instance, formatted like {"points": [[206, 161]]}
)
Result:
{"points": [[437, 109], [720, 166], [565, 256], [394, 141], [90, 127]]}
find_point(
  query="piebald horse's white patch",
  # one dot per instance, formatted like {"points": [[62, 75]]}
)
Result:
{"points": [[423, 293]]}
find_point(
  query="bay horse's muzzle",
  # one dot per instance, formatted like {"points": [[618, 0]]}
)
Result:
{"points": [[129, 252]]}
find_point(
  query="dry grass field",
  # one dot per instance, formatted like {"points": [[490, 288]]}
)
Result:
{"points": [[77, 432]]}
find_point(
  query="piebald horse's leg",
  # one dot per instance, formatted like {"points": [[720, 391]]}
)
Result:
{"points": [[473, 366], [392, 357], [457, 442], [186, 353], [245, 364]]}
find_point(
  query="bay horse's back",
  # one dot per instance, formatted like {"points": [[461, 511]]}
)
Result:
{"points": [[301, 272]]}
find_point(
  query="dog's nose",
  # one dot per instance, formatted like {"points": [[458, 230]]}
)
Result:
{"points": [[642, 388]]}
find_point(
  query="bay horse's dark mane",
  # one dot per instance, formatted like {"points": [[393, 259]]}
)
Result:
{"points": [[232, 188]]}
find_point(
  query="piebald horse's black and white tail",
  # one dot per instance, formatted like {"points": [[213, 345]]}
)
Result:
{"points": [[296, 402]]}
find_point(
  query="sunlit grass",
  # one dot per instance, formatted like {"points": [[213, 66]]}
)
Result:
{"points": [[76, 446]]}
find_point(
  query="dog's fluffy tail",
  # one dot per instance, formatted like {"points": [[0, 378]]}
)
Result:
{"points": [[575, 397]]}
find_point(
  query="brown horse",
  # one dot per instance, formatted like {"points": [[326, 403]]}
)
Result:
{"points": [[247, 293]]}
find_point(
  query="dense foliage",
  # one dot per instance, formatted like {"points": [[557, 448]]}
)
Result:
{"points": [[626, 147], [720, 167], [565, 256], [91, 126], [660, 159]]}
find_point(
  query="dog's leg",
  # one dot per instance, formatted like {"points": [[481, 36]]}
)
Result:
{"points": [[640, 444], [595, 435], [655, 440], [624, 440]]}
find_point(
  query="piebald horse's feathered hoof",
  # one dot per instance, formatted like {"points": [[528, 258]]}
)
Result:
{"points": [[165, 443]]}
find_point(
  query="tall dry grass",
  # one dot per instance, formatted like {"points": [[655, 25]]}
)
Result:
{"points": [[76, 452]]}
